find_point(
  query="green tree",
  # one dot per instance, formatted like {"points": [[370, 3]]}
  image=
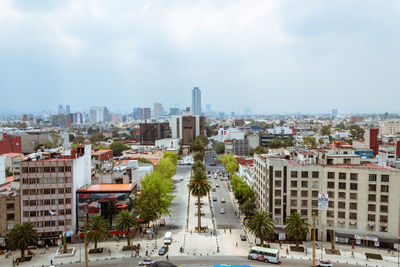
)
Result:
{"points": [[198, 165], [248, 207], [261, 225], [219, 148], [145, 161], [356, 132], [288, 142], [172, 156], [310, 141], [21, 237], [203, 139], [71, 137], [199, 187], [166, 167], [340, 126], [125, 220], [232, 167], [9, 172], [117, 148], [275, 143], [258, 150], [112, 209], [98, 229], [78, 140], [198, 156], [326, 130], [198, 145], [297, 227], [95, 138]]}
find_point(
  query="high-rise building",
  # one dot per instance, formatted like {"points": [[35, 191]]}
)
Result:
{"points": [[158, 110], [150, 132], [187, 127], [99, 114], [334, 112], [196, 101], [60, 109], [137, 113], [67, 109], [146, 113]]}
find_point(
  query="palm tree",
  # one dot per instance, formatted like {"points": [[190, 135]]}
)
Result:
{"points": [[21, 237], [124, 222], [198, 164], [98, 229], [198, 156], [112, 209], [297, 227], [199, 186], [261, 225]]}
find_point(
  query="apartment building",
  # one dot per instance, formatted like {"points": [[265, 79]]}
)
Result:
{"points": [[237, 147], [48, 183], [389, 127], [359, 196], [9, 207]]}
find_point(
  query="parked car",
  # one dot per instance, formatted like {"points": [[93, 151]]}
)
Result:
{"points": [[222, 200], [214, 198], [163, 250], [162, 222], [324, 263], [146, 261], [243, 237], [222, 211], [217, 185]]}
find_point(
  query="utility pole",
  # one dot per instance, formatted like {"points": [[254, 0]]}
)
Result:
{"points": [[313, 256], [85, 238]]}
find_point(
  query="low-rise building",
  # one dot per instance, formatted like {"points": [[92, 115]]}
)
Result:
{"points": [[9, 208]]}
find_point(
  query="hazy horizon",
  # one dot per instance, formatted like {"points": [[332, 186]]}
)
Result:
{"points": [[275, 57]]}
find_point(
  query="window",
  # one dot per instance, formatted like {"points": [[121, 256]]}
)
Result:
{"points": [[278, 173], [371, 207], [61, 201], [354, 176], [384, 188], [372, 187], [293, 183], [46, 223], [47, 201], [353, 206], [26, 202], [53, 169], [53, 191], [314, 203], [61, 212], [342, 205], [331, 204], [384, 178], [331, 194], [293, 174], [32, 202], [346, 161], [293, 202], [384, 208], [61, 190], [60, 223], [68, 211], [314, 193], [293, 193], [304, 184], [278, 183], [68, 190], [32, 213], [60, 169], [372, 177], [46, 213], [371, 197], [304, 174], [10, 206], [353, 186], [342, 185], [277, 202], [342, 195], [329, 213], [293, 211], [331, 175], [315, 174], [371, 217], [10, 217], [331, 184], [342, 175], [304, 203], [25, 214], [68, 222], [53, 202], [32, 192], [304, 193], [341, 214], [353, 216], [304, 212], [67, 168], [384, 199], [278, 193], [47, 191], [68, 200], [383, 219]]}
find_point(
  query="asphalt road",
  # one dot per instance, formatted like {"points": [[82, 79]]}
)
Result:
{"points": [[193, 261]]}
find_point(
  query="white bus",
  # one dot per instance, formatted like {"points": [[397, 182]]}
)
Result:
{"points": [[168, 238], [264, 254]]}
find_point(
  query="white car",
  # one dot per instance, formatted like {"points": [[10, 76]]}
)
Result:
{"points": [[146, 261], [324, 263], [222, 211]]}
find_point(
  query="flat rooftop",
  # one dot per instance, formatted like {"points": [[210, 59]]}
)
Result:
{"points": [[106, 188]]}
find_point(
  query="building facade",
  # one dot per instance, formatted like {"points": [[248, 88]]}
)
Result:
{"points": [[359, 195], [187, 127], [150, 132], [389, 127], [158, 110], [10, 144]]}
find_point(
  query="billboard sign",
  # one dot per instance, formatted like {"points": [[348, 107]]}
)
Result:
{"points": [[322, 201]]}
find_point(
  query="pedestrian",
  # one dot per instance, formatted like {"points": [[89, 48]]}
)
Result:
{"points": [[167, 258], [47, 247], [51, 262], [287, 251], [352, 254], [237, 245], [367, 257], [352, 245], [230, 231], [280, 244], [147, 252]]}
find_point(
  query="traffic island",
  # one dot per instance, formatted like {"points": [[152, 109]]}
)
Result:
{"points": [[332, 251], [96, 251], [373, 256], [60, 253]]}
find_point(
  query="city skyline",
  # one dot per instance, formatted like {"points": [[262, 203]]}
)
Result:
{"points": [[286, 58]]}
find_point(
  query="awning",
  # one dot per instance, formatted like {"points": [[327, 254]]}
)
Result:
{"points": [[371, 238], [388, 240], [344, 235]]}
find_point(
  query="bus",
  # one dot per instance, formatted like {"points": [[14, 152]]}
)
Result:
{"points": [[264, 254], [168, 238]]}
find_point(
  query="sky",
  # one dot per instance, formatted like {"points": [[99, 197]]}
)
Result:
{"points": [[273, 56]]}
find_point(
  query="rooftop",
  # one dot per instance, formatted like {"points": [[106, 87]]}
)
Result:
{"points": [[101, 151], [107, 188]]}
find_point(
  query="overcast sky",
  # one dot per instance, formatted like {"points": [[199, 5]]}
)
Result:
{"points": [[271, 56]]}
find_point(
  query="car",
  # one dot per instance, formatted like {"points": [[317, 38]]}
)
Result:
{"points": [[213, 189], [162, 222], [222, 211], [146, 261], [163, 250], [221, 179], [217, 185], [182, 179], [222, 200], [215, 177], [243, 237], [324, 263], [214, 198]]}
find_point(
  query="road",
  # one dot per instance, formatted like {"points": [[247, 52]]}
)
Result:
{"points": [[205, 261]]}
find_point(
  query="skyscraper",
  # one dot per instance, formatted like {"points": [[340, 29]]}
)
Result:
{"points": [[67, 109], [60, 109], [157, 110], [137, 113], [146, 113], [196, 101]]}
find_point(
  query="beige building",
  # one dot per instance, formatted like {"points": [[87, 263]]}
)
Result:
{"points": [[359, 195], [389, 127], [9, 207]]}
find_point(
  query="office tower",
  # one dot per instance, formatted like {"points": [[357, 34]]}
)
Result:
{"points": [[208, 107], [60, 109], [137, 113], [196, 101], [187, 127], [157, 110], [99, 114], [146, 113], [67, 109], [334, 112]]}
